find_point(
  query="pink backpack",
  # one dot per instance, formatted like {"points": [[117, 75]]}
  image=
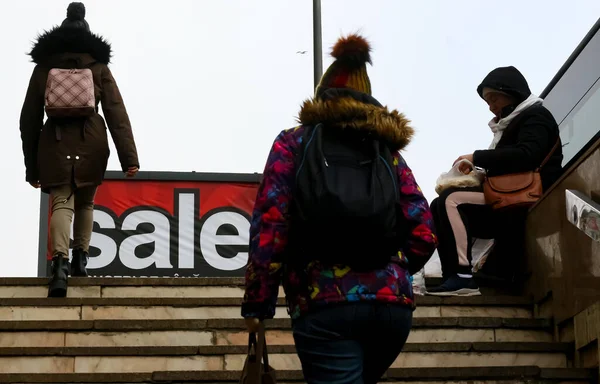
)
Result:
{"points": [[70, 93]]}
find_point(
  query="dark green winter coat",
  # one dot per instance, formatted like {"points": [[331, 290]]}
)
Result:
{"points": [[67, 150]]}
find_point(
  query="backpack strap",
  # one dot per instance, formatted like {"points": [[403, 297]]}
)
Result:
{"points": [[307, 139]]}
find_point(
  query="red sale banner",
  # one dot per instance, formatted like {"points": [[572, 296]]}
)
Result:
{"points": [[150, 226]]}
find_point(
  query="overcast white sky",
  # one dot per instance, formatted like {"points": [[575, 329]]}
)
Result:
{"points": [[209, 84]]}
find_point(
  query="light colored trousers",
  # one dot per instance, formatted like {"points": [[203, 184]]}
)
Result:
{"points": [[66, 202]]}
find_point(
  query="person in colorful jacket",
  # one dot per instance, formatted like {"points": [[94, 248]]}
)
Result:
{"points": [[348, 326]]}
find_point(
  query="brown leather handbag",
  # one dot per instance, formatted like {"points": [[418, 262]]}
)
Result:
{"points": [[515, 189], [256, 368]]}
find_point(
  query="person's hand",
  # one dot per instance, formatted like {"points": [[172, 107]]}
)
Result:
{"points": [[465, 168], [35, 184], [252, 323], [131, 171]]}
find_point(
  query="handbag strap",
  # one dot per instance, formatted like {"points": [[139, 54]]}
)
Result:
{"points": [[260, 346], [550, 154]]}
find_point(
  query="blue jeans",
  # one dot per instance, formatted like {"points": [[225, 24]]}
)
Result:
{"points": [[352, 343]]}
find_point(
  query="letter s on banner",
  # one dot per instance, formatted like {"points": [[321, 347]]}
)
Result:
{"points": [[106, 245], [209, 240]]}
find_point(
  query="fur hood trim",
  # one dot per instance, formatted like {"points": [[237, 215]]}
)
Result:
{"points": [[66, 40], [349, 113]]}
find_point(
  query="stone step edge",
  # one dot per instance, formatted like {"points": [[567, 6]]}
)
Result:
{"points": [[485, 301], [478, 347], [404, 374], [144, 281], [130, 281], [239, 325]]}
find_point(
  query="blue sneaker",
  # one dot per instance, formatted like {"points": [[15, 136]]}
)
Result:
{"points": [[456, 286]]}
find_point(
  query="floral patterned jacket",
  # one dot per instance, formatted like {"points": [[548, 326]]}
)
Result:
{"points": [[269, 226]]}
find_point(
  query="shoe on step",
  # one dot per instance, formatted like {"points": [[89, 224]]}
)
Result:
{"points": [[78, 263], [456, 286], [57, 287]]}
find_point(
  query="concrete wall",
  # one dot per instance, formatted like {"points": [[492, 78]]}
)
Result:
{"points": [[564, 261]]}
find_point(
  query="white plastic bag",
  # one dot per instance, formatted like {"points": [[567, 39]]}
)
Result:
{"points": [[455, 178], [480, 252], [418, 283], [433, 268]]}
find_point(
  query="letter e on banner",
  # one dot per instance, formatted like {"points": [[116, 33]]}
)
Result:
{"points": [[210, 240]]}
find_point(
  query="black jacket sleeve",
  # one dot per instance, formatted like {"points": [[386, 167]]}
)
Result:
{"points": [[31, 121], [535, 138]]}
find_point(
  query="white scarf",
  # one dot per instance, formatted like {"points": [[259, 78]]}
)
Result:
{"points": [[499, 127]]}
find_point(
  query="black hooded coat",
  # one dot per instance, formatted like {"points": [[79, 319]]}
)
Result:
{"points": [[528, 139]]}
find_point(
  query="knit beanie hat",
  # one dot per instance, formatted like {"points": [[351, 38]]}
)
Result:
{"points": [[349, 70], [75, 17]]}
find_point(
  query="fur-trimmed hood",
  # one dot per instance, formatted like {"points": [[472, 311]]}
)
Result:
{"points": [[59, 41], [348, 109]]}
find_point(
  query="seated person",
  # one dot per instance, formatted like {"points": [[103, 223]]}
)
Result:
{"points": [[525, 132]]}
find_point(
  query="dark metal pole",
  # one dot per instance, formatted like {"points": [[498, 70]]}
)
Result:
{"points": [[317, 42]]}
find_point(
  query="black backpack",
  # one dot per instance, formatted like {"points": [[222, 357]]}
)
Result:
{"points": [[345, 207]]}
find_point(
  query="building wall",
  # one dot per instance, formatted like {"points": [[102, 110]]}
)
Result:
{"points": [[564, 262]]}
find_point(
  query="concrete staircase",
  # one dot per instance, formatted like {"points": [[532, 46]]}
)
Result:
{"points": [[163, 330]]}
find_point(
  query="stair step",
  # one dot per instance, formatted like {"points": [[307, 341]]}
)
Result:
{"points": [[146, 281], [196, 338], [231, 357], [485, 301], [72, 333], [128, 330], [457, 375], [146, 287], [96, 291], [236, 324], [206, 308], [122, 288], [549, 347], [129, 281], [142, 281]]}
